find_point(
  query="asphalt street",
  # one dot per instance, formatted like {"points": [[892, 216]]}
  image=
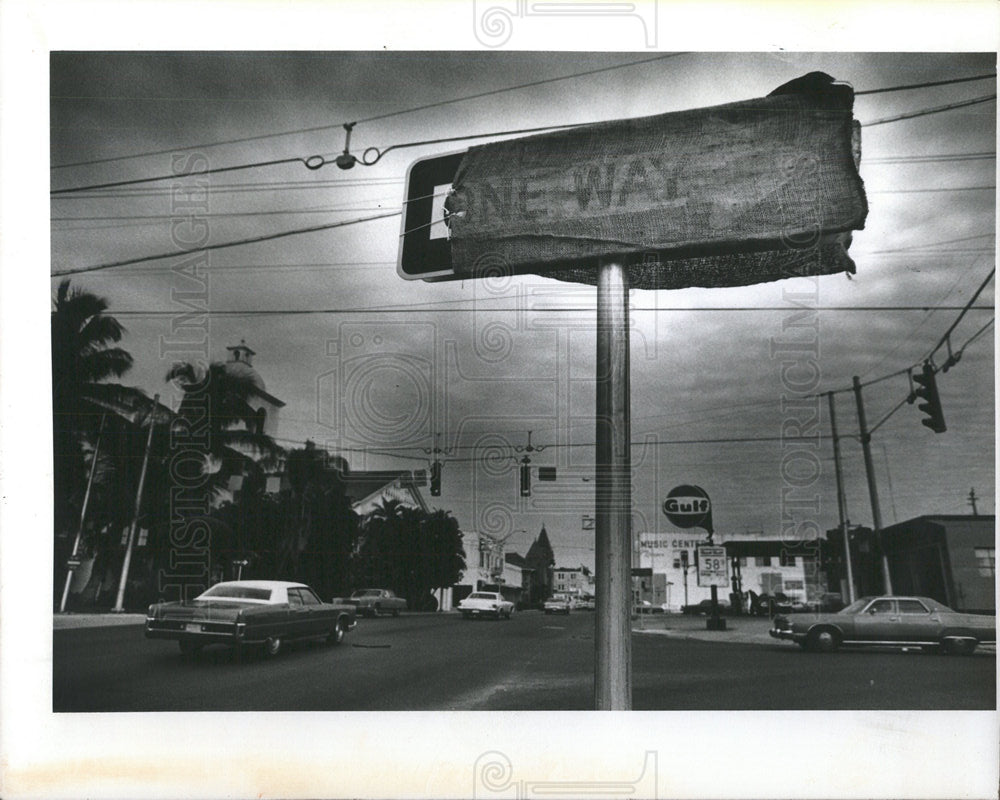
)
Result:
{"points": [[532, 662]]}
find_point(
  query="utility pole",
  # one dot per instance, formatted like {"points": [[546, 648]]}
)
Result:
{"points": [[613, 493], [866, 446], [119, 607], [841, 499], [972, 502], [83, 516]]}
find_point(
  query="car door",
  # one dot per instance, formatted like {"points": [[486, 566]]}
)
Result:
{"points": [[917, 622], [316, 615], [298, 617], [877, 621]]}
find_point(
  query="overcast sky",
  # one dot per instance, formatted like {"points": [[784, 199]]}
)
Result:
{"points": [[483, 364]]}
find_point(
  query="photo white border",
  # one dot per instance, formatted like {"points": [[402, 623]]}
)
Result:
{"points": [[700, 754]]}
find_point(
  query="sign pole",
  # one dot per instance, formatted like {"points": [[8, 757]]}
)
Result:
{"points": [[613, 500]]}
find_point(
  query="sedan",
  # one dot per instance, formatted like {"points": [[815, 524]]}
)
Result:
{"points": [[557, 605], [238, 613], [486, 604], [889, 620]]}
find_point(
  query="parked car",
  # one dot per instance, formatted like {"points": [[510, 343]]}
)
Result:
{"points": [[767, 605], [375, 602], [240, 613], [645, 607], [486, 604], [889, 620], [587, 604], [705, 607], [557, 604]]}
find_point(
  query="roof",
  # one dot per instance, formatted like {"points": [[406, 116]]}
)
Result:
{"points": [[362, 486], [261, 584]]}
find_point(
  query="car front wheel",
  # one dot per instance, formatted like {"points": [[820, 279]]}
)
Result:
{"points": [[823, 640], [337, 634], [272, 646]]}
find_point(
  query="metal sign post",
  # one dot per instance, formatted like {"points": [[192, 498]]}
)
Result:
{"points": [[613, 493]]}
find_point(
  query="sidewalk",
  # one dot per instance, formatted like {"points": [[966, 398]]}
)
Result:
{"points": [[742, 630], [95, 620]]}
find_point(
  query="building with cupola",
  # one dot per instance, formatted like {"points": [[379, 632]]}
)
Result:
{"points": [[265, 405]]}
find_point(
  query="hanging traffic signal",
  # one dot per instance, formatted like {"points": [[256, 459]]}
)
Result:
{"points": [[526, 477], [436, 479], [927, 391]]}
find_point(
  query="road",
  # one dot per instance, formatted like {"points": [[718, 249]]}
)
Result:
{"points": [[532, 662]]}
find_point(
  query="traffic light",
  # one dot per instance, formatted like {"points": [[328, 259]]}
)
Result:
{"points": [[927, 391], [525, 478], [436, 479]]}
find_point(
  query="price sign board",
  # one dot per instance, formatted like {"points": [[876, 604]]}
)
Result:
{"points": [[712, 566]]}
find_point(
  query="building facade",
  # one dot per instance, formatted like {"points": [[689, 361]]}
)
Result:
{"points": [[951, 558], [763, 566]]}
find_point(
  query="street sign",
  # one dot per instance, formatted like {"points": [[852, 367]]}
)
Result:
{"points": [[689, 507], [730, 195], [712, 566]]}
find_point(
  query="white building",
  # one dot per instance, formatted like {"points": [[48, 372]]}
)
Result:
{"points": [[486, 569], [764, 566]]}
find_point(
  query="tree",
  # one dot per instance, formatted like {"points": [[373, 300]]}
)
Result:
{"points": [[409, 550], [84, 362]]}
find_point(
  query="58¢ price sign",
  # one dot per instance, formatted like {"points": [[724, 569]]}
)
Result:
{"points": [[712, 566]]}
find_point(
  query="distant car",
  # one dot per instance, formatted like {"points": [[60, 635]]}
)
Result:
{"points": [[240, 613], [375, 602], [486, 604], [557, 604], [587, 604], [767, 605], [705, 607], [649, 608], [889, 620]]}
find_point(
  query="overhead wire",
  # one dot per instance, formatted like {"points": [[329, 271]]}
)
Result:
{"points": [[928, 111], [387, 115]]}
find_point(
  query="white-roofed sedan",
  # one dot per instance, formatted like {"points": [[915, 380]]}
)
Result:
{"points": [[241, 613]]}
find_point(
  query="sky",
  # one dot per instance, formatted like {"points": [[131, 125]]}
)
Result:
{"points": [[374, 366]]}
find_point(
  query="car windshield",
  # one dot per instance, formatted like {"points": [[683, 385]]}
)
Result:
{"points": [[856, 606], [237, 592], [482, 596]]}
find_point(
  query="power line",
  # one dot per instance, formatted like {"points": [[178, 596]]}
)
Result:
{"points": [[221, 245], [927, 84], [387, 115], [927, 111], [962, 314], [433, 307]]}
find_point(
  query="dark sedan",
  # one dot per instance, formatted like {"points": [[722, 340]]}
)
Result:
{"points": [[239, 613], [891, 620]]}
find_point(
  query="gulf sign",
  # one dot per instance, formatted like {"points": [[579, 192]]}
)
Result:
{"points": [[688, 507]]}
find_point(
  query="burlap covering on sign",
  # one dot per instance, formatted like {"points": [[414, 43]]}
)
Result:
{"points": [[724, 196]]}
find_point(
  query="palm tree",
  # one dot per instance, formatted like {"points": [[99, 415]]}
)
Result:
{"points": [[216, 415], [83, 361]]}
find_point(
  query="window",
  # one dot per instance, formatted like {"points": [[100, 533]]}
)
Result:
{"points": [[743, 561], [294, 598], [677, 563], [309, 598], [880, 607], [986, 561], [911, 607], [786, 560], [762, 561]]}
